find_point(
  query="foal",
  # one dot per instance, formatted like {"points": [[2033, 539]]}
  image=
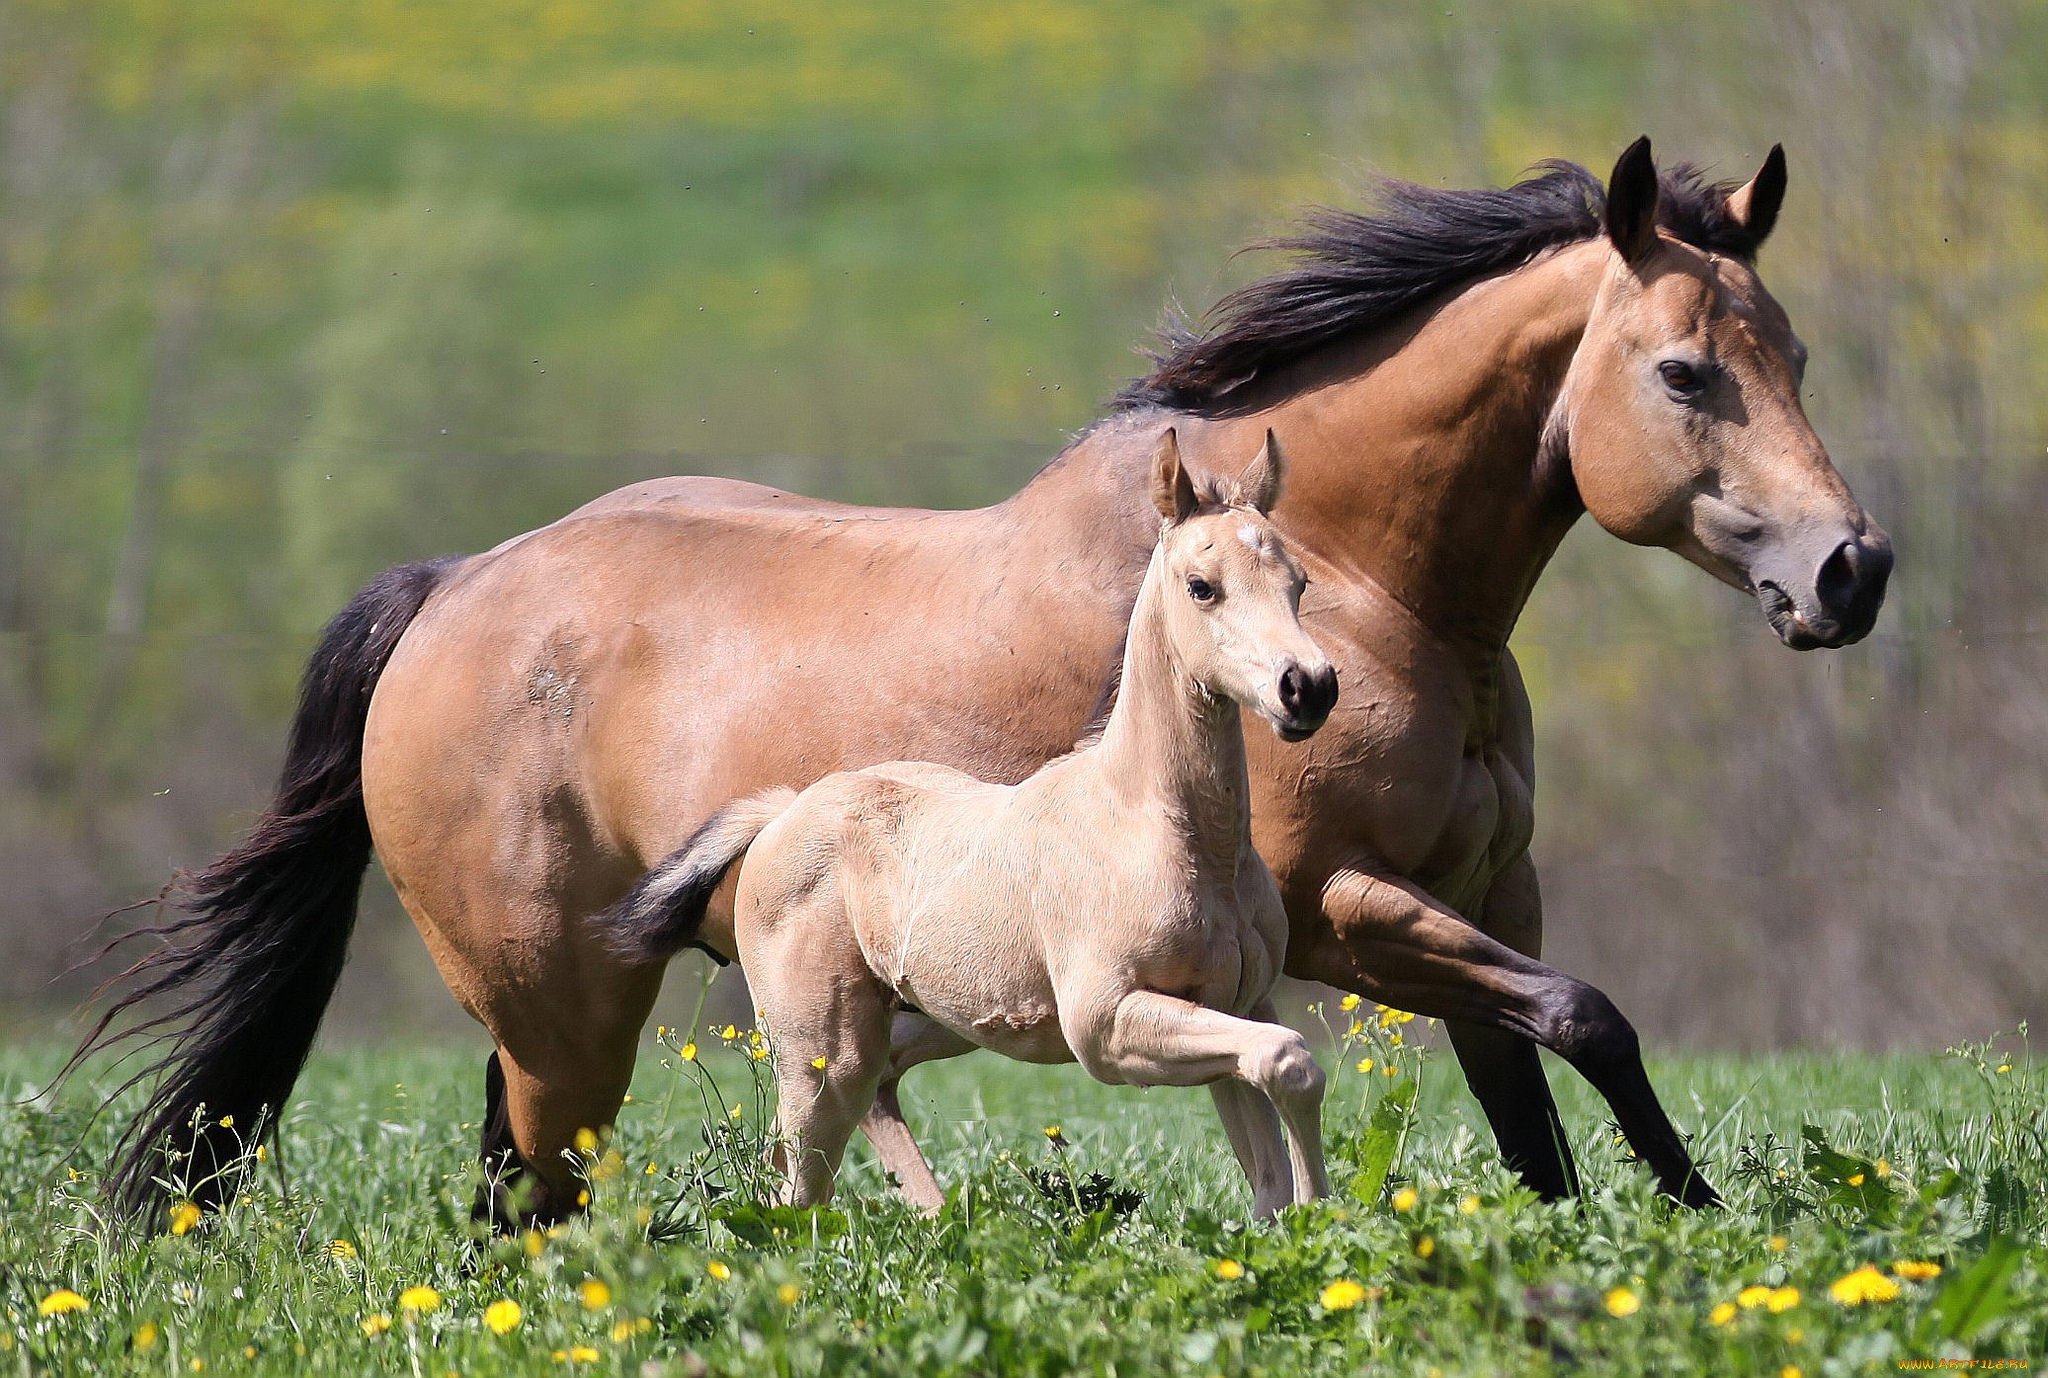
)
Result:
{"points": [[1109, 910]]}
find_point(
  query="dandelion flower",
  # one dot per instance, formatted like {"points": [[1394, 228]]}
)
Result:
{"points": [[583, 1354], [1424, 1247], [1623, 1302], [375, 1324], [622, 1331], [720, 1272], [1722, 1314], [62, 1302], [788, 1294], [1790, 1371], [594, 1293], [502, 1316], [146, 1336], [1781, 1300], [1229, 1269], [184, 1215], [1405, 1199], [1779, 1243], [1750, 1298], [419, 1299], [689, 1052], [533, 1241], [1866, 1284], [1348, 1003], [1916, 1270], [1468, 1205], [1342, 1295]]}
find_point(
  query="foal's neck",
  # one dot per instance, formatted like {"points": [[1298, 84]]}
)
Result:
{"points": [[1172, 746]]}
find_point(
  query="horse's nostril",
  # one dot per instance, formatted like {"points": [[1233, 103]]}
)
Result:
{"points": [[1835, 585], [1291, 684]]}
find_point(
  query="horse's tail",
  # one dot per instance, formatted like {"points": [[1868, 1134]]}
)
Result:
{"points": [[248, 967], [660, 916]]}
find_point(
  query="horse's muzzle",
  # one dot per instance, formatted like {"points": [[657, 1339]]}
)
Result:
{"points": [[1307, 694], [1847, 593]]}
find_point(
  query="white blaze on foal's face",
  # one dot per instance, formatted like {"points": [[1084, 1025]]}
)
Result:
{"points": [[1230, 594]]}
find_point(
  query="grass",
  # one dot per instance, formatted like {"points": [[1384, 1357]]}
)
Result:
{"points": [[1040, 1267]]}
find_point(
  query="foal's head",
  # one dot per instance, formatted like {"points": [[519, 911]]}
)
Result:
{"points": [[1230, 593], [1683, 419]]}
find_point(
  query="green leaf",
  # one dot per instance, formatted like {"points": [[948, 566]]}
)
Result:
{"points": [[1381, 1141], [763, 1226], [1980, 1293]]}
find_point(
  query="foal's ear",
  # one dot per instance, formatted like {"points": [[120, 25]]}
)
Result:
{"points": [[1754, 205], [1258, 487], [1632, 201], [1173, 493]]}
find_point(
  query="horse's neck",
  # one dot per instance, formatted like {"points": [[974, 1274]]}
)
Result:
{"points": [[1168, 746]]}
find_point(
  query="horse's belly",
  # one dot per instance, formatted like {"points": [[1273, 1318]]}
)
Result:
{"points": [[1488, 827]]}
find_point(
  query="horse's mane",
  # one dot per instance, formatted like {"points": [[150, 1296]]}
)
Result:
{"points": [[1355, 270]]}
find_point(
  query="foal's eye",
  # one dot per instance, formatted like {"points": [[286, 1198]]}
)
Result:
{"points": [[1682, 378], [1200, 589]]}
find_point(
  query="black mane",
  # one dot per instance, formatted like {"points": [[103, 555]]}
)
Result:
{"points": [[1355, 270]]}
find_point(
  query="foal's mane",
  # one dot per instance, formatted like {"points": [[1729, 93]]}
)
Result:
{"points": [[1358, 269]]}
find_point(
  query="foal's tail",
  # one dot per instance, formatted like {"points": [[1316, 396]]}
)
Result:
{"points": [[660, 916], [247, 970]]}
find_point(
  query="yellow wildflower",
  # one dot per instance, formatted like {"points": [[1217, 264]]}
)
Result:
{"points": [[263, 1153], [1342, 1295], [248, 1351], [729, 1032], [1779, 1243], [720, 1272], [184, 1215], [1883, 1168], [1722, 1314], [503, 1316], [1391, 1070], [227, 1121], [1348, 1003], [1364, 1065], [818, 1062], [62, 1302], [594, 1293], [583, 1354], [1424, 1247], [1790, 1371], [533, 1241], [1405, 1199], [661, 1031], [1916, 1270], [788, 1294], [146, 1336], [1229, 1269], [419, 1299], [734, 1113], [376, 1324], [586, 1140], [2003, 1068], [1623, 1302], [198, 1365], [1468, 1205], [622, 1331], [1863, 1285], [1389, 1016], [1781, 1300], [583, 1197], [1750, 1298], [689, 1052], [1855, 1179], [340, 1248]]}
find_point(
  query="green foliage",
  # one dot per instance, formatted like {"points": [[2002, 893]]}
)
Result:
{"points": [[1460, 1272]]}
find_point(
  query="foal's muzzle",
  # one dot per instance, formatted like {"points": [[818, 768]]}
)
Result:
{"points": [[1307, 694]]}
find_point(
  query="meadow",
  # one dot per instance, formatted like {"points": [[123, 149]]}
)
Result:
{"points": [[1883, 1212]]}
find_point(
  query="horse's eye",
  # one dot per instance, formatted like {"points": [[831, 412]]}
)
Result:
{"points": [[1682, 378], [1200, 589]]}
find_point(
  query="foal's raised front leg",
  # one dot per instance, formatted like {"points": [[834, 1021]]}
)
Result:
{"points": [[1162, 1040], [1387, 940]]}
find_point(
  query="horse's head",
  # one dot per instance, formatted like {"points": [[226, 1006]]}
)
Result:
{"points": [[1230, 593], [1683, 424]]}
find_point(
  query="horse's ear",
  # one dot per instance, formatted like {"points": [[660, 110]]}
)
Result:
{"points": [[1258, 487], [1754, 205], [1173, 493], [1632, 201]]}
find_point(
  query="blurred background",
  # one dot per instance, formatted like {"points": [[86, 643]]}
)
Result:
{"points": [[289, 293]]}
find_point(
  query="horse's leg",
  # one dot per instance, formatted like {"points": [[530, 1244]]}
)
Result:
{"points": [[1503, 1069], [1162, 1040], [1253, 1126], [1387, 940], [913, 1039]]}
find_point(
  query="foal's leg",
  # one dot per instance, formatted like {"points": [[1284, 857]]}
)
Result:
{"points": [[1256, 1136], [1162, 1040], [913, 1038]]}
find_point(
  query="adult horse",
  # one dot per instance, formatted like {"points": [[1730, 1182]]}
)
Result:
{"points": [[1456, 378]]}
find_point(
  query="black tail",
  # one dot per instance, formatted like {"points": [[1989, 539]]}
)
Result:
{"points": [[249, 967], [660, 916]]}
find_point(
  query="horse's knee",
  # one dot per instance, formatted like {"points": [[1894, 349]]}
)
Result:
{"points": [[1285, 1069], [1586, 1029]]}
